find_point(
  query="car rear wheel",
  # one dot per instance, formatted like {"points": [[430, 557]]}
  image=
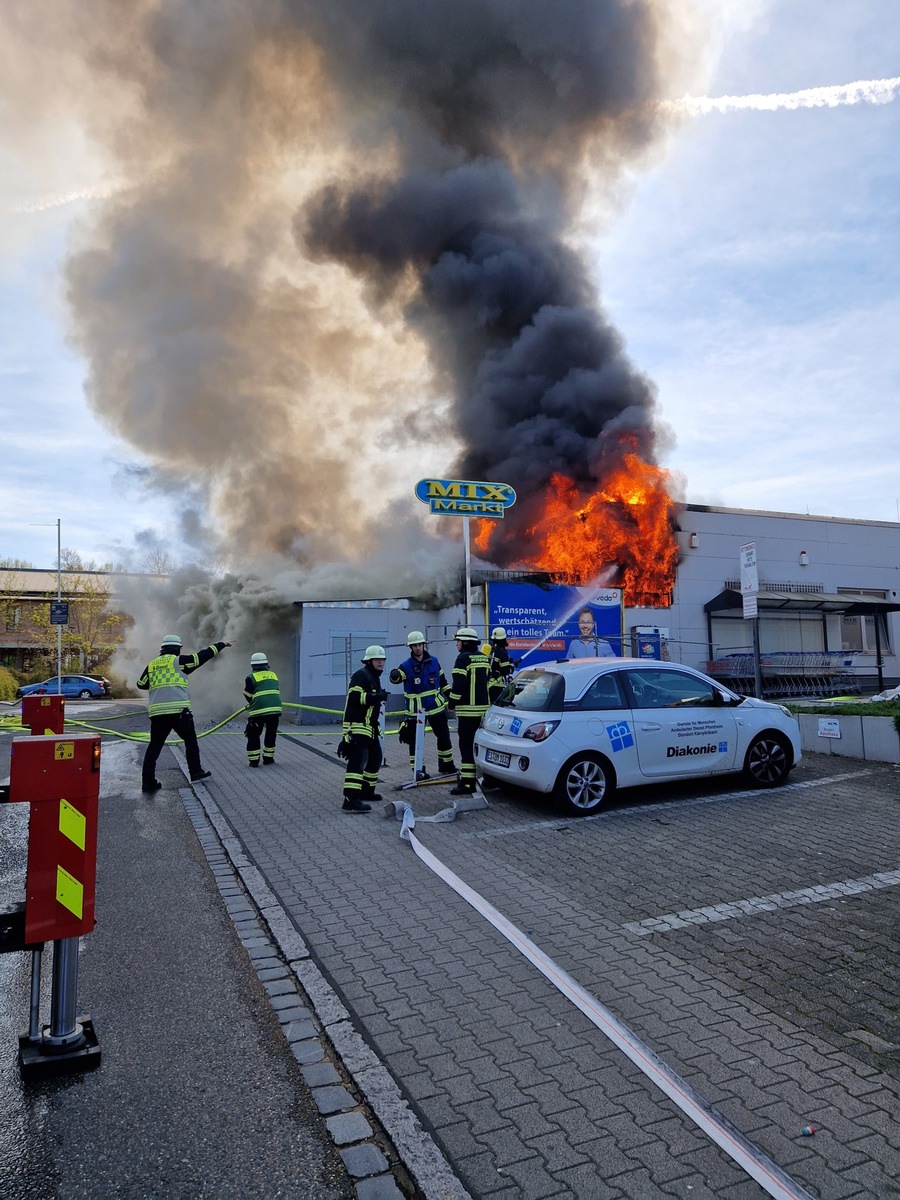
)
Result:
{"points": [[584, 784], [85, 694], [768, 761]]}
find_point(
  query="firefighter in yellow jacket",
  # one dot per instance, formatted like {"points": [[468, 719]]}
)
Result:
{"points": [[165, 677], [263, 698]]}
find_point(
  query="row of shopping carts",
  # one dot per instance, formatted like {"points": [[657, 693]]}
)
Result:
{"points": [[789, 673]]}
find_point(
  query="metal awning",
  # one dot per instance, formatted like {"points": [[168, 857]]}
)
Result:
{"points": [[799, 602]]}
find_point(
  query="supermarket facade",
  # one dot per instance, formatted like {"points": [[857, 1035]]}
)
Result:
{"points": [[828, 610]]}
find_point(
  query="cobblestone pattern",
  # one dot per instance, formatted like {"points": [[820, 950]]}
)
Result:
{"points": [[524, 1095]]}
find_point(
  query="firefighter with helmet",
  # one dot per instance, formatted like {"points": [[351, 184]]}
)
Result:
{"points": [[263, 696], [502, 666], [470, 698], [165, 678], [361, 741], [425, 687]]}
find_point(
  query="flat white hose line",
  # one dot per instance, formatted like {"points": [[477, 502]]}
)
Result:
{"points": [[748, 1156]]}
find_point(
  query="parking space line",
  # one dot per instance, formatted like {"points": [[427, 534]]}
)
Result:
{"points": [[661, 806], [758, 904], [750, 1157]]}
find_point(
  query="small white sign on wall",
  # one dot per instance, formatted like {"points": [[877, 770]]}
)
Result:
{"points": [[829, 727]]}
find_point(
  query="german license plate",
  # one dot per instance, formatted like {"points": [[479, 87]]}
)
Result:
{"points": [[496, 756]]}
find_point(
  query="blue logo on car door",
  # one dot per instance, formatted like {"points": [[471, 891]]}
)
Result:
{"points": [[620, 737]]}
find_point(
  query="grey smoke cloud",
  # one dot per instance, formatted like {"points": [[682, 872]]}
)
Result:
{"points": [[341, 257]]}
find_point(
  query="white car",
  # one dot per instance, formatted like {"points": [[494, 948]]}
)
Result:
{"points": [[582, 728]]}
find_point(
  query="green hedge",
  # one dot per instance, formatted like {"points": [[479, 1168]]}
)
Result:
{"points": [[861, 708], [8, 684]]}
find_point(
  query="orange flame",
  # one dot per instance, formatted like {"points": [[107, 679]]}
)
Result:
{"points": [[628, 523]]}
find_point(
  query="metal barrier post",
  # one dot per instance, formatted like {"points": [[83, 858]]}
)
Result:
{"points": [[59, 777]]}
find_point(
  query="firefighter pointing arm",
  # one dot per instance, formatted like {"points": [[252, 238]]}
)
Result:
{"points": [[165, 678]]}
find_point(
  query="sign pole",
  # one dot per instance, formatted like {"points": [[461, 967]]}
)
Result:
{"points": [[750, 594], [468, 571], [58, 599], [465, 498]]}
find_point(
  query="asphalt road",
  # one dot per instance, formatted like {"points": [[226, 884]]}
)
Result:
{"points": [[198, 1093]]}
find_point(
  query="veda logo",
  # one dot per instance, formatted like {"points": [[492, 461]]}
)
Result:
{"points": [[515, 725]]}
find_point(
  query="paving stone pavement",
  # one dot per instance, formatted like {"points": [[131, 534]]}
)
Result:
{"points": [[781, 1015]]}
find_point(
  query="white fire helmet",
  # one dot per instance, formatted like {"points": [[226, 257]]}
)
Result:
{"points": [[171, 639], [466, 634], [498, 633], [416, 638], [373, 652], [259, 659]]}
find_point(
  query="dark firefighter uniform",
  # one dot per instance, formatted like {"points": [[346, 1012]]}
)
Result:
{"points": [[263, 698], [502, 666], [425, 687], [165, 677], [470, 698], [361, 740]]}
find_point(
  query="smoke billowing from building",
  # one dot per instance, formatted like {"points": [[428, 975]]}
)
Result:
{"points": [[339, 253]]}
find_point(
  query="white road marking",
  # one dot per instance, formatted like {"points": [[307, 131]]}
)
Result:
{"points": [[758, 904], [757, 1164]]}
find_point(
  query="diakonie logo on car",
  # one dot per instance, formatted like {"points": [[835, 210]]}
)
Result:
{"points": [[680, 751]]}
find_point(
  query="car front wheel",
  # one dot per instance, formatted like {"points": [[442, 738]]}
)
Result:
{"points": [[584, 784], [768, 761]]}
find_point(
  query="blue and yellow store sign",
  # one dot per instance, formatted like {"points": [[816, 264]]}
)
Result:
{"points": [[465, 497]]}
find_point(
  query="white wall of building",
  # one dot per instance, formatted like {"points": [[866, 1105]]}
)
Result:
{"points": [[334, 636], [839, 554]]}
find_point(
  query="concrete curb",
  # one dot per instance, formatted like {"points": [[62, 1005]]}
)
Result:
{"points": [[418, 1154]]}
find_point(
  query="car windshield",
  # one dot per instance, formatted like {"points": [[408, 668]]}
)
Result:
{"points": [[535, 691]]}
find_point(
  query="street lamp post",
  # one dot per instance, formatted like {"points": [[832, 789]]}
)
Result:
{"points": [[58, 524], [58, 599]]}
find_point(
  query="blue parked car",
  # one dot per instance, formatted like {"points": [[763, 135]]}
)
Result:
{"points": [[81, 686]]}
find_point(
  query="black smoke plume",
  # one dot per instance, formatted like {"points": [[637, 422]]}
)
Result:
{"points": [[341, 248]]}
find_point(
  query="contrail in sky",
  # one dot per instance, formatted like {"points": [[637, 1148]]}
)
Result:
{"points": [[99, 191], [864, 91]]}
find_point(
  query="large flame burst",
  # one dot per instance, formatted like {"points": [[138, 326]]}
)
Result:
{"points": [[628, 523]]}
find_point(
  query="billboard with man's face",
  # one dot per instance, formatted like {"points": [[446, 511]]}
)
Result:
{"points": [[546, 623]]}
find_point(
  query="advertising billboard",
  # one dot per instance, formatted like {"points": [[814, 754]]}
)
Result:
{"points": [[544, 623]]}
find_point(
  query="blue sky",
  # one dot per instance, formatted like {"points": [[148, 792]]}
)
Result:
{"points": [[752, 272]]}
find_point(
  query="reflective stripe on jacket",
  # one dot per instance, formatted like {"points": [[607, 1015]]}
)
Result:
{"points": [[168, 686], [469, 686], [262, 692], [165, 677], [424, 684], [363, 705]]}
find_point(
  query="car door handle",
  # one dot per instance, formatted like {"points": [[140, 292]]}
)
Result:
{"points": [[650, 728]]}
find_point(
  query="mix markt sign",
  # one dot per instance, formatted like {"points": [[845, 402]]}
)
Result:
{"points": [[466, 498]]}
